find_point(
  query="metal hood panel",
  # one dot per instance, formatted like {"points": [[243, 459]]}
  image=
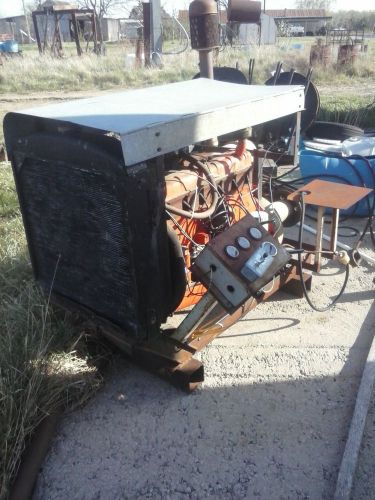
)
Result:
{"points": [[158, 120]]}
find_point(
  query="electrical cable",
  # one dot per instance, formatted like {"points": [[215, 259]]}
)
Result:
{"points": [[184, 233], [300, 267], [187, 40]]}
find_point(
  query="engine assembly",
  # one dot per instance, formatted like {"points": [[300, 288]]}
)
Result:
{"points": [[122, 202], [132, 210]]}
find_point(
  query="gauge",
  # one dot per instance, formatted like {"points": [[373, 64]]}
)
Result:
{"points": [[255, 233], [269, 249], [232, 252], [243, 242]]}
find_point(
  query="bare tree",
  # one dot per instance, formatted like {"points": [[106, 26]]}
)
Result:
{"points": [[314, 4], [103, 7]]}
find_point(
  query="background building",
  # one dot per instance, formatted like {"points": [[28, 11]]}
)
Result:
{"points": [[313, 21]]}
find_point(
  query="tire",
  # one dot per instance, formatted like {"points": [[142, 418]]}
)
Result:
{"points": [[335, 131]]}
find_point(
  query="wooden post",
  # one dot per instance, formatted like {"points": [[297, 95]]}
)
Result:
{"points": [[94, 32], [76, 33], [36, 29], [58, 35], [319, 238]]}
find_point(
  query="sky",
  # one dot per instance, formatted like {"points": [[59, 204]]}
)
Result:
{"points": [[171, 5]]}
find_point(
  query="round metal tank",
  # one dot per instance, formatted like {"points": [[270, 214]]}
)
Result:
{"points": [[244, 11], [348, 54], [320, 54]]}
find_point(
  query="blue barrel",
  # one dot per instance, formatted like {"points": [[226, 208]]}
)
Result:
{"points": [[10, 46], [320, 165]]}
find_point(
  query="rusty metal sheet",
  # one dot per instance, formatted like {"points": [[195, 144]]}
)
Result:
{"points": [[330, 194]]}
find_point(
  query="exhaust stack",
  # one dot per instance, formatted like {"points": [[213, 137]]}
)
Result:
{"points": [[204, 29]]}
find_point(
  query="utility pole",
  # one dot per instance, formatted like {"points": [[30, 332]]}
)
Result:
{"points": [[156, 31], [152, 32]]}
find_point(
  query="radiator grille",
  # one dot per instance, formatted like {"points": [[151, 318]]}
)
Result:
{"points": [[77, 228]]}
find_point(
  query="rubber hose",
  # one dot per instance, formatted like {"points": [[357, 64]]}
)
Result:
{"points": [[300, 268], [214, 191], [177, 270]]}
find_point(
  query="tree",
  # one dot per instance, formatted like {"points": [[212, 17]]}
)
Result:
{"points": [[137, 11], [314, 4], [354, 20], [102, 7]]}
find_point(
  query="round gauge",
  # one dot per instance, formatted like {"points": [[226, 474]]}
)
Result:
{"points": [[232, 252], [269, 249], [243, 242], [255, 233]]}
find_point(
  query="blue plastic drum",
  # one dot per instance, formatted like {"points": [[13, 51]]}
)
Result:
{"points": [[9, 46], [355, 171]]}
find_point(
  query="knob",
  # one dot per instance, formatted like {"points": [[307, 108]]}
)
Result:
{"points": [[255, 233], [243, 242], [232, 252]]}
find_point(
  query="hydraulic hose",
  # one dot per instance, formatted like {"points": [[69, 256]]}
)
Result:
{"points": [[177, 269], [213, 189], [300, 267]]}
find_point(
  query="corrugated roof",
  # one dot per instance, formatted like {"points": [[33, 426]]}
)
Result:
{"points": [[297, 13]]}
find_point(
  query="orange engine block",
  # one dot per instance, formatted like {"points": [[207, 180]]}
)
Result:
{"points": [[185, 187]]}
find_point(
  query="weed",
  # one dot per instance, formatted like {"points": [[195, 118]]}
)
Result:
{"points": [[40, 369]]}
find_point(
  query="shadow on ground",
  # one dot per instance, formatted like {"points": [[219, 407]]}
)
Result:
{"points": [[243, 435]]}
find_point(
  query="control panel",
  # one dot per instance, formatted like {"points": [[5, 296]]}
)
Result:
{"points": [[238, 263]]}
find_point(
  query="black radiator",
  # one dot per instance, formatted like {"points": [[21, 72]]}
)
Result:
{"points": [[96, 229]]}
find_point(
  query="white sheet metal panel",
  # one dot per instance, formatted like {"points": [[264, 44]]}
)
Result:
{"points": [[11, 8], [157, 120]]}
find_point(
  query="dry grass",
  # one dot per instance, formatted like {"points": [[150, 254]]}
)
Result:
{"points": [[34, 73], [40, 369]]}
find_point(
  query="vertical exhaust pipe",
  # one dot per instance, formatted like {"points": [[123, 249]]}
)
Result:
{"points": [[204, 32]]}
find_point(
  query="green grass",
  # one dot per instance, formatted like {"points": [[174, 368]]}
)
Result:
{"points": [[354, 110], [40, 369]]}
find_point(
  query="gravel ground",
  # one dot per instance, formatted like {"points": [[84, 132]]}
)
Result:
{"points": [[269, 422]]}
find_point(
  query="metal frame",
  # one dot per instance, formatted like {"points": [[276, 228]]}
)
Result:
{"points": [[57, 40]]}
